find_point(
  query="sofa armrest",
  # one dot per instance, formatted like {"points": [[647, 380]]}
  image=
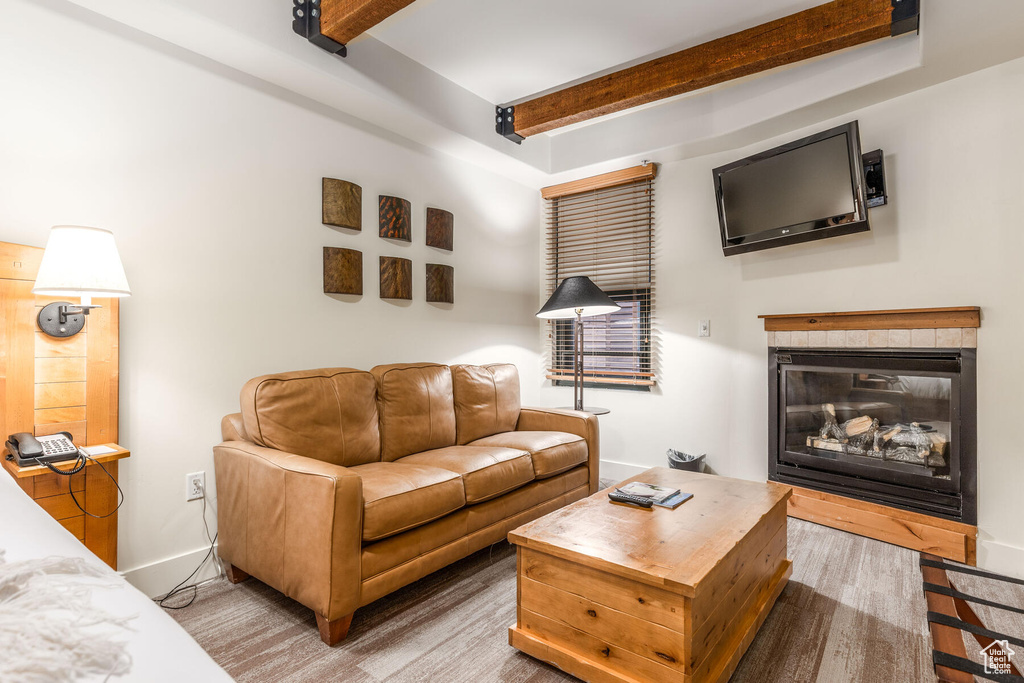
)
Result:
{"points": [[232, 428], [572, 422], [293, 522]]}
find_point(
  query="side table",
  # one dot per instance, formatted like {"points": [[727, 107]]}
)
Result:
{"points": [[93, 489], [593, 410]]}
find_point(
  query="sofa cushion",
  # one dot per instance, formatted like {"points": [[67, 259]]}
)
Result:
{"points": [[487, 472], [551, 452], [486, 400], [401, 496], [505, 513], [416, 408], [328, 414]]}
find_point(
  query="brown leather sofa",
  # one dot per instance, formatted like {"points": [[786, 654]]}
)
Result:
{"points": [[339, 486]]}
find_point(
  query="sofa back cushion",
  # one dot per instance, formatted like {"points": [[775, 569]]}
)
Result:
{"points": [[328, 414], [486, 400], [416, 410]]}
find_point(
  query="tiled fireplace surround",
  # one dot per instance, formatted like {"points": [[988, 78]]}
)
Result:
{"points": [[921, 338], [936, 328]]}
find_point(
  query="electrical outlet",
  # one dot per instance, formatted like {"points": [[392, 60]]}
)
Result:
{"points": [[704, 329], [195, 486]]}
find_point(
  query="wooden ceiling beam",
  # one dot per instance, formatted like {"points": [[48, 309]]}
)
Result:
{"points": [[343, 20], [813, 32], [331, 24]]}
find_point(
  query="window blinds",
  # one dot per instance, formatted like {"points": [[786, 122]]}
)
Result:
{"points": [[607, 234]]}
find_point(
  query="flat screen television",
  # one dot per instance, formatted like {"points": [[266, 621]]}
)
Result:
{"points": [[805, 190]]}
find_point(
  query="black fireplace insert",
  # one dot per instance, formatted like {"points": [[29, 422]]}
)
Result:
{"points": [[890, 426]]}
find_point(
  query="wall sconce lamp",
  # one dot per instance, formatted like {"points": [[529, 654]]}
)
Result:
{"points": [[78, 261]]}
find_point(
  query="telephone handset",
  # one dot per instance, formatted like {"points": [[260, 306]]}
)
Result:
{"points": [[40, 450]]}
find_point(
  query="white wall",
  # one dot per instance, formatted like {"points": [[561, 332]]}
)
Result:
{"points": [[211, 181], [211, 184], [952, 234]]}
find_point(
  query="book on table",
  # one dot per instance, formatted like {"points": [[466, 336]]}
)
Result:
{"points": [[662, 496]]}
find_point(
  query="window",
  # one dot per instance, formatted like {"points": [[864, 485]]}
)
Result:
{"points": [[603, 228]]}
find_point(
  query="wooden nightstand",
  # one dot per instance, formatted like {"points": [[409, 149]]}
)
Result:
{"points": [[93, 489]]}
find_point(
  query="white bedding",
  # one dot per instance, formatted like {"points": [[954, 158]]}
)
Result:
{"points": [[160, 649]]}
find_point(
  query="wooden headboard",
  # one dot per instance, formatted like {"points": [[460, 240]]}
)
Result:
{"points": [[47, 384]]}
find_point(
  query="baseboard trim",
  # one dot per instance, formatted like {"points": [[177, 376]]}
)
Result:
{"points": [[157, 578], [617, 471], [1001, 558]]}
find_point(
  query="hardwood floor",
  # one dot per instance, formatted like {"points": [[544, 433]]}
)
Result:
{"points": [[852, 611]]}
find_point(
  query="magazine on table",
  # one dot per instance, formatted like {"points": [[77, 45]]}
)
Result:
{"points": [[657, 494], [661, 496]]}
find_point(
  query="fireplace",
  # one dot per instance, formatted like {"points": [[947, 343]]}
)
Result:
{"points": [[894, 426]]}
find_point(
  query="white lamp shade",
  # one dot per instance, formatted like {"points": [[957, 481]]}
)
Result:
{"points": [[81, 261]]}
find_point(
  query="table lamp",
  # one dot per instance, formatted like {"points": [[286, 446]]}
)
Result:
{"points": [[78, 261], [577, 297]]}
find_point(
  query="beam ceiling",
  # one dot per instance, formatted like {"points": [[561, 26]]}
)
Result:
{"points": [[813, 32]]}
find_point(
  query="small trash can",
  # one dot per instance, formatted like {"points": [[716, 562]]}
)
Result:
{"points": [[678, 460]]}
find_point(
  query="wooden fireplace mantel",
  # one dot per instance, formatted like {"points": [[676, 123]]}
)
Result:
{"points": [[905, 319]]}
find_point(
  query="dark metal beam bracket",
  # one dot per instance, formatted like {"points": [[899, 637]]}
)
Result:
{"points": [[306, 22], [505, 124], [906, 17]]}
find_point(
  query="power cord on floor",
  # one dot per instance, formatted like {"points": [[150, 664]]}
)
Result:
{"points": [[490, 551], [185, 585]]}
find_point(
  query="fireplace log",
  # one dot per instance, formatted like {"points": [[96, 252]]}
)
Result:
{"points": [[858, 425], [864, 436], [831, 428], [864, 441], [882, 438], [826, 444], [937, 457], [915, 439], [905, 454]]}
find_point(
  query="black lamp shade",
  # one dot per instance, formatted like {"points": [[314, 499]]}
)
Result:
{"points": [[577, 294]]}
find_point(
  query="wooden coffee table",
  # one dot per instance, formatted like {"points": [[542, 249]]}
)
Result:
{"points": [[612, 592]]}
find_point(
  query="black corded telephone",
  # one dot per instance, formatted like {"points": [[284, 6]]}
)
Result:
{"points": [[31, 450]]}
